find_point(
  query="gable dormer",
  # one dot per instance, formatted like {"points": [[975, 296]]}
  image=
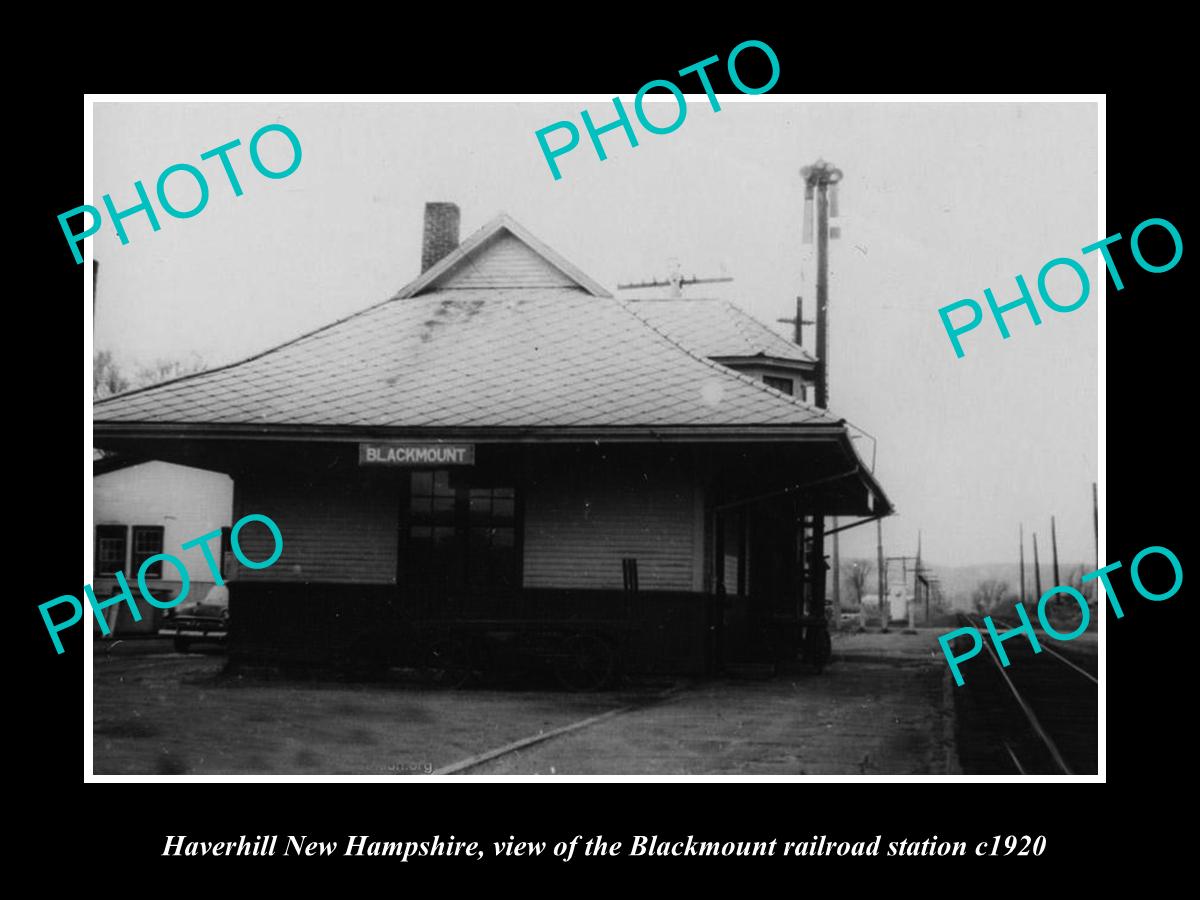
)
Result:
{"points": [[500, 255]]}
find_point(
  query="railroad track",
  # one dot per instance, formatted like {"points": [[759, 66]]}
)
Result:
{"points": [[1037, 716]]}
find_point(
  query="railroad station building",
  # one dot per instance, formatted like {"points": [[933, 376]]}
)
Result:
{"points": [[506, 445]]}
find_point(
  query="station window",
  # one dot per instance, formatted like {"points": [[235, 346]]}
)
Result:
{"points": [[147, 542], [110, 549], [431, 517], [780, 384], [461, 534]]}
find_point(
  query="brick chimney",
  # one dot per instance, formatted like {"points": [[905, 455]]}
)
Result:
{"points": [[441, 233]]}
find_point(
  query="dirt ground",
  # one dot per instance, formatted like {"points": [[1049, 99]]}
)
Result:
{"points": [[880, 708]]}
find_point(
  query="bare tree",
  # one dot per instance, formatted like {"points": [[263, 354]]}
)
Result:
{"points": [[855, 574], [166, 369], [1062, 607], [108, 377], [1075, 580], [990, 594]]}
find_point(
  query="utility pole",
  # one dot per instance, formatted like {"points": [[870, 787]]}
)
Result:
{"points": [[1037, 572], [1021, 593], [883, 604], [1054, 551], [799, 322], [1096, 522], [904, 561], [916, 587], [817, 178]]}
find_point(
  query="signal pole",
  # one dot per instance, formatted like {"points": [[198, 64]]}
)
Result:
{"points": [[817, 179]]}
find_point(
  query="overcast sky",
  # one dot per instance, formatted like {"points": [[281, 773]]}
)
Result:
{"points": [[939, 202]]}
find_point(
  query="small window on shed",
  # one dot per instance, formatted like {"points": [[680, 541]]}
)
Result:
{"points": [[110, 549], [147, 542], [780, 384]]}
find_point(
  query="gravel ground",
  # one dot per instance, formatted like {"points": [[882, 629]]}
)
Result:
{"points": [[879, 708]]}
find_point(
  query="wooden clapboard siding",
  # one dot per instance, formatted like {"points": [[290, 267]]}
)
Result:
{"points": [[576, 534], [342, 532], [506, 262]]}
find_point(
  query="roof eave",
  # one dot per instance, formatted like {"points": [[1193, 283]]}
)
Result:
{"points": [[880, 505], [764, 359], [481, 434]]}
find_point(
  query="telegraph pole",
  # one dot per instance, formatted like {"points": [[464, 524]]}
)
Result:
{"points": [[883, 604], [1054, 551], [799, 322], [916, 587], [1021, 593], [904, 561], [1096, 522], [1037, 572]]}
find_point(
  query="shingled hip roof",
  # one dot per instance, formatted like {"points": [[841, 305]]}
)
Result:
{"points": [[553, 357], [717, 329]]}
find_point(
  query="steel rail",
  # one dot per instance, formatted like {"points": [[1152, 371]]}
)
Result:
{"points": [[1027, 709], [1084, 672]]}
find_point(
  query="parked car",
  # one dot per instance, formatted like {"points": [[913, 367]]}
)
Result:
{"points": [[204, 620]]}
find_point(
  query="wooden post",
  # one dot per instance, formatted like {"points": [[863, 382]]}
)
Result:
{"points": [[818, 604], [837, 579], [1054, 552], [1037, 572], [916, 586], [883, 604], [1096, 522], [1021, 592]]}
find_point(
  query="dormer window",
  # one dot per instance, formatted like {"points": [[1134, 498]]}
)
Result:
{"points": [[780, 384]]}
